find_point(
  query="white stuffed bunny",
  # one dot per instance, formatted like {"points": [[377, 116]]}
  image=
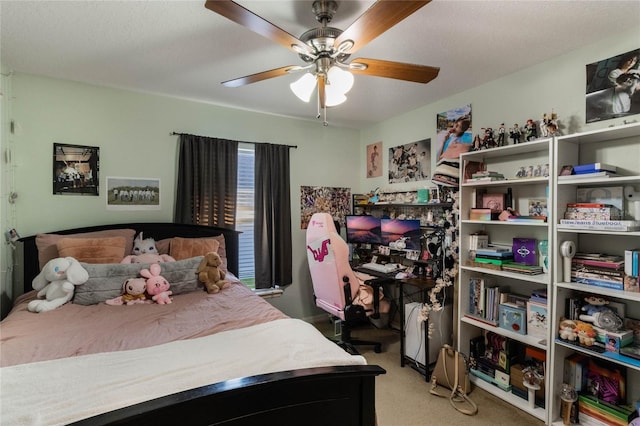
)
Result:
{"points": [[56, 283]]}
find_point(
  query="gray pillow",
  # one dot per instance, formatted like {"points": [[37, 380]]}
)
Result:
{"points": [[105, 280]]}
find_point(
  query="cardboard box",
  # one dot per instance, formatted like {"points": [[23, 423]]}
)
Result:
{"points": [[513, 318], [617, 339], [525, 250], [480, 214]]}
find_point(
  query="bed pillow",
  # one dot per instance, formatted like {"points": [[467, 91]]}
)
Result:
{"points": [[105, 280], [93, 250], [184, 248], [47, 243]]}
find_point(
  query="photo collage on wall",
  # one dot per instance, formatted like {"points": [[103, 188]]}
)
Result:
{"points": [[316, 199], [410, 162]]}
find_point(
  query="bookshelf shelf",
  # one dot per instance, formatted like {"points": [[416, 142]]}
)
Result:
{"points": [[507, 160], [619, 146]]}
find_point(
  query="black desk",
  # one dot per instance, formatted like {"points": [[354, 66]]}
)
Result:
{"points": [[424, 285]]}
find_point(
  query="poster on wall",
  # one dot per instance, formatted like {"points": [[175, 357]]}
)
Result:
{"points": [[410, 162], [133, 193], [454, 132], [316, 199], [613, 87], [454, 137], [75, 169], [374, 160]]}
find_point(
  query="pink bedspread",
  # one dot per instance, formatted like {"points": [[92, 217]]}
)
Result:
{"points": [[73, 330]]}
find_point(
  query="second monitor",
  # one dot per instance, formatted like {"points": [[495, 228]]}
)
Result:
{"points": [[395, 229]]}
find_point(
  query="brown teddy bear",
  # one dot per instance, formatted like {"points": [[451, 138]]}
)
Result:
{"points": [[210, 274]]}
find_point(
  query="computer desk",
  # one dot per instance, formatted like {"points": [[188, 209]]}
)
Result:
{"points": [[424, 285]]}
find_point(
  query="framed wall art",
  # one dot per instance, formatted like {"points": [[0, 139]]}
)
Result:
{"points": [[133, 193], [75, 169]]}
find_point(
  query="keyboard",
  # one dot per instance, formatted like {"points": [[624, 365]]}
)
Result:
{"points": [[386, 268]]}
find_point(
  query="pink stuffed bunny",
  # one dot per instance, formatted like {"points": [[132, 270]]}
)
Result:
{"points": [[157, 285]]}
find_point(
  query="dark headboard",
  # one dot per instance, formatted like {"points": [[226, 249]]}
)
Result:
{"points": [[158, 231]]}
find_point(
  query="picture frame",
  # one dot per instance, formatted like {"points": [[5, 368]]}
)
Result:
{"points": [[133, 193], [495, 202], [537, 207], [566, 170], [75, 169]]}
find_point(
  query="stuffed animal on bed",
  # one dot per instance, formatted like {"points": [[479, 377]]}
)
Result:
{"points": [[145, 251], [56, 283], [210, 274], [134, 291], [157, 285]]}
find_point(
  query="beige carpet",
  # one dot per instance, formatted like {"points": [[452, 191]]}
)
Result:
{"points": [[403, 398]]}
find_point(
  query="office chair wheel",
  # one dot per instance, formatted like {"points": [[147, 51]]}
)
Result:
{"points": [[377, 348]]}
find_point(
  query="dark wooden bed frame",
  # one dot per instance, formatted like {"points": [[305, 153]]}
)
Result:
{"points": [[343, 395]]}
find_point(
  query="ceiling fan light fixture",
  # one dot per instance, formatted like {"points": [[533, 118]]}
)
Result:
{"points": [[304, 86], [334, 98], [339, 80]]}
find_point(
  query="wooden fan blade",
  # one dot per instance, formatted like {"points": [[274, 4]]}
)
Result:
{"points": [[254, 78], [322, 94], [397, 70], [257, 24], [383, 15]]}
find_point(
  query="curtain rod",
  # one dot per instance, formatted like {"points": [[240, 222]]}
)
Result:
{"points": [[252, 143]]}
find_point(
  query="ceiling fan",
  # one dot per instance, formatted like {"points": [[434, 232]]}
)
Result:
{"points": [[326, 50]]}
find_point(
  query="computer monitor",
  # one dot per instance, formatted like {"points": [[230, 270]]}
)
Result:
{"points": [[363, 229], [394, 229]]}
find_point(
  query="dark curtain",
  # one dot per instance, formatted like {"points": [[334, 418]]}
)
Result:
{"points": [[207, 181], [272, 224]]}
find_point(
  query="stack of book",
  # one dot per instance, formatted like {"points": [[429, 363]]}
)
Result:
{"points": [[527, 219], [592, 211], [610, 414], [598, 269], [494, 255], [521, 268], [485, 176], [591, 170]]}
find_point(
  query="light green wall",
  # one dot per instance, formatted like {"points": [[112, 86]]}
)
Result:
{"points": [[558, 84], [132, 131]]}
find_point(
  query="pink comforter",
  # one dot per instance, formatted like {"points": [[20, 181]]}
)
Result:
{"points": [[73, 330]]}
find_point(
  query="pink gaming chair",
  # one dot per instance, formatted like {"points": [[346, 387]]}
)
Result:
{"points": [[336, 288]]}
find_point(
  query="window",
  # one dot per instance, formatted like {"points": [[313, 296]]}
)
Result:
{"points": [[245, 213]]}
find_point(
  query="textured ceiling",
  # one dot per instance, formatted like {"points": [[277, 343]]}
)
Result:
{"points": [[181, 49]]}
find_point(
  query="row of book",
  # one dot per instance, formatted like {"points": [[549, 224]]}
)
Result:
{"points": [[503, 257]]}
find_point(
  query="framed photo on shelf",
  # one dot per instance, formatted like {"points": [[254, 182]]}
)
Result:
{"points": [[537, 207], [566, 170], [495, 202]]}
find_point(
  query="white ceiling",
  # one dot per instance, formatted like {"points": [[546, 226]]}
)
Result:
{"points": [[181, 49]]}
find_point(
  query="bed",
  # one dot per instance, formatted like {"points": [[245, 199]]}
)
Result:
{"points": [[227, 358]]}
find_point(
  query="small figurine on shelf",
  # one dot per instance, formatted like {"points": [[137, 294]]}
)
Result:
{"points": [[501, 135], [488, 140], [549, 125], [373, 196], [530, 130], [515, 133]]}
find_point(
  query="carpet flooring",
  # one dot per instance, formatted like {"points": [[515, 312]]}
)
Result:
{"points": [[402, 394]]}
